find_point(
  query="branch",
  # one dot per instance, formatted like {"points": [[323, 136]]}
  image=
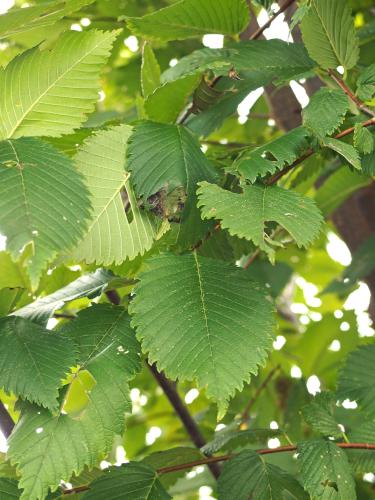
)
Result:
{"points": [[360, 104], [6, 421], [224, 458], [274, 178], [246, 413], [264, 451], [183, 413], [261, 29]]}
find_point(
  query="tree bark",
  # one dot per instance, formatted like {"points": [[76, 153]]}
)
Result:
{"points": [[355, 218]]}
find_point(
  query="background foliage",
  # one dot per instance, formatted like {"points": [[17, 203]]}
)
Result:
{"points": [[179, 316]]}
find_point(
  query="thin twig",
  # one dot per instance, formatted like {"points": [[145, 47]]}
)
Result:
{"points": [[224, 458], [260, 30], [251, 259], [169, 389], [274, 178], [360, 104], [6, 421], [258, 392]]}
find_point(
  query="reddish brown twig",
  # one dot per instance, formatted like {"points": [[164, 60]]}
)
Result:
{"points": [[224, 458], [274, 178], [246, 413], [360, 105], [261, 29]]}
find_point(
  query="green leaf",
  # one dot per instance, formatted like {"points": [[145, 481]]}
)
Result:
{"points": [[325, 471], [150, 71], [284, 59], [11, 274], [345, 150], [190, 18], [165, 158], [337, 188], [326, 111], [272, 156], [223, 328], [43, 202], [319, 414], [50, 92], [9, 489], [107, 348], [162, 155], [166, 102], [357, 376], [133, 480], [245, 215], [363, 139], [249, 475], [88, 285], [33, 361], [22, 20], [329, 34], [366, 83], [114, 233]]}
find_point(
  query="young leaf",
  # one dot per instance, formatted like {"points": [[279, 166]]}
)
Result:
{"points": [[33, 361], [284, 59], [167, 101], [345, 150], [356, 378], [88, 285], [273, 156], [329, 34], [150, 71], [319, 414], [248, 475], [325, 471], [50, 92], [224, 324], [326, 111], [114, 233], [133, 480], [245, 215], [366, 83], [190, 18], [45, 446], [363, 139], [43, 201]]}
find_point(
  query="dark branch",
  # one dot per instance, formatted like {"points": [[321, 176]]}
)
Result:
{"points": [[261, 29], [6, 421], [183, 413]]}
